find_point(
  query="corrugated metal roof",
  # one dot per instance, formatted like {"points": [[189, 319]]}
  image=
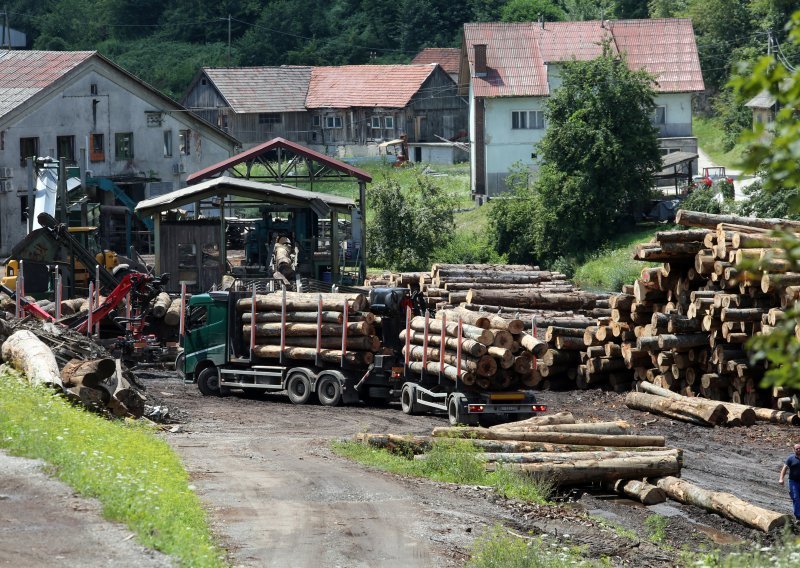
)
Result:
{"points": [[389, 86], [517, 54], [230, 186], [262, 89], [25, 73], [448, 57]]}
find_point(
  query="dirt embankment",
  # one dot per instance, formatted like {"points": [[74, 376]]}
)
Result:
{"points": [[278, 495]]}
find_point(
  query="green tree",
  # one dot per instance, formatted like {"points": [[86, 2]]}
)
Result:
{"points": [[667, 8], [510, 224], [721, 26], [530, 10], [599, 155], [777, 157], [406, 227], [588, 9]]}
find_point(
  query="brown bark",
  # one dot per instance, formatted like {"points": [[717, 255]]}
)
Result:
{"points": [[484, 336], [27, 353], [304, 302], [642, 491], [725, 504], [539, 420], [161, 305], [530, 343], [309, 354], [710, 221], [523, 298], [554, 437], [294, 317], [708, 414], [617, 427], [354, 343], [484, 366], [468, 346], [309, 329], [586, 471]]}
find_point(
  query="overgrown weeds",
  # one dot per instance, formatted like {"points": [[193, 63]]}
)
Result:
{"points": [[135, 475], [499, 549]]}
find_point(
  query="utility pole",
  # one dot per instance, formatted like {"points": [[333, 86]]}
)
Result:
{"points": [[229, 40], [5, 28], [769, 42]]}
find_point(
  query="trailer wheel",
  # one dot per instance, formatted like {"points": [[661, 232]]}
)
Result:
{"points": [[456, 414], [408, 399], [329, 390], [208, 382], [298, 387]]}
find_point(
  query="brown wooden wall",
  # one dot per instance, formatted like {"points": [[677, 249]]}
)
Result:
{"points": [[189, 252]]}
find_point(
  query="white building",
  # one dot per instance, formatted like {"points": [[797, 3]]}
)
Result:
{"points": [[82, 107], [509, 69]]}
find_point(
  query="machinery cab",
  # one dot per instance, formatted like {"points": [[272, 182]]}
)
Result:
{"points": [[206, 337]]}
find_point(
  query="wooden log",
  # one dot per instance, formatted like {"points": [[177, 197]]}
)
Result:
{"points": [[725, 504], [617, 427], [304, 302], [354, 343], [566, 343], [468, 317], [485, 366], [294, 317], [642, 491], [736, 414], [484, 336], [161, 305], [530, 343], [682, 341], [554, 437], [586, 471], [566, 457], [449, 371], [468, 346], [772, 282], [539, 420], [24, 351], [87, 373], [531, 298], [710, 221], [309, 354], [172, 317], [309, 329], [707, 414]]}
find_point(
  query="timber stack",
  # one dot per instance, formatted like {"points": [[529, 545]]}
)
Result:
{"points": [[682, 326], [495, 353], [306, 313]]}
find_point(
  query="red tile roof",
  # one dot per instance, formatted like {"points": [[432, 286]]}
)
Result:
{"points": [[517, 53], [448, 57], [262, 89], [390, 86], [25, 73]]}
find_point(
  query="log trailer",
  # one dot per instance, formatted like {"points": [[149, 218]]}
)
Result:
{"points": [[218, 357]]}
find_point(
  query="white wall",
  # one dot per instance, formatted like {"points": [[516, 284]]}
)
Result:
{"points": [[118, 107]]}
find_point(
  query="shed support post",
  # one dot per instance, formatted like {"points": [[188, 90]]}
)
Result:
{"points": [[157, 243], [335, 279], [223, 249], [362, 208]]}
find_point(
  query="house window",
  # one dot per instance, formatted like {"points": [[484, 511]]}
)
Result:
{"points": [[153, 118], [66, 148], [388, 122], [93, 89], [96, 148], [315, 121], [23, 209], [527, 119], [123, 145], [269, 118], [183, 142], [168, 143], [375, 122], [28, 147], [333, 122], [659, 115]]}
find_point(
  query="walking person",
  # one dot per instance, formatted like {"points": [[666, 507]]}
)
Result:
{"points": [[792, 467]]}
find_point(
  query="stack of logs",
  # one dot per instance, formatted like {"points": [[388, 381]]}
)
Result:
{"points": [[682, 326], [301, 326], [496, 353], [557, 448]]}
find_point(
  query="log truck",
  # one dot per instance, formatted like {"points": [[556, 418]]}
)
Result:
{"points": [[218, 357]]}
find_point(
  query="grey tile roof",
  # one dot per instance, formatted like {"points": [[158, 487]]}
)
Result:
{"points": [[262, 89]]}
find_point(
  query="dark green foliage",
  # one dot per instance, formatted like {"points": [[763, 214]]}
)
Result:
{"points": [[510, 221], [705, 199], [735, 117], [406, 228], [761, 203], [599, 155], [468, 248], [531, 10]]}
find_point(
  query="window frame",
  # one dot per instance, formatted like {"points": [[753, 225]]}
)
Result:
{"points": [[35, 142], [121, 153], [388, 122], [527, 120], [334, 122], [97, 152], [375, 120], [654, 118], [315, 121], [269, 118], [167, 143], [184, 142], [71, 143]]}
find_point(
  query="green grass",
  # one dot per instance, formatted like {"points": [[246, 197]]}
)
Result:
{"points": [[499, 549], [136, 476], [656, 526], [710, 138], [613, 266], [450, 461], [785, 555]]}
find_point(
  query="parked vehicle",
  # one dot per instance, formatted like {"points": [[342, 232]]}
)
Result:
{"points": [[218, 357], [711, 175]]}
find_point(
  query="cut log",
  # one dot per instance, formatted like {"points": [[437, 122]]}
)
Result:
{"points": [[468, 346], [531, 298], [540, 420], [484, 336], [173, 315], [725, 504], [618, 427], [27, 353], [161, 305], [554, 437], [304, 302], [642, 491], [309, 354], [87, 373], [309, 329], [294, 317], [710, 221], [589, 471], [708, 415], [530, 343], [484, 366], [738, 414], [568, 457], [354, 343]]}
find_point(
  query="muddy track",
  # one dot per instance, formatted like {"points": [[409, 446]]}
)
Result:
{"points": [[278, 495]]}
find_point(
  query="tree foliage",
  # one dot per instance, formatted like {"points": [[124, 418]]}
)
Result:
{"points": [[777, 157], [531, 11], [406, 227]]}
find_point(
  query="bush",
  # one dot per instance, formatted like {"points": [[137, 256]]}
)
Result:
{"points": [[707, 200], [467, 247], [762, 203]]}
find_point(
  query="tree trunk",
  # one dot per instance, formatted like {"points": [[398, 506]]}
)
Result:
{"points": [[540, 420], [570, 457], [530, 343], [161, 305], [354, 343], [724, 504], [710, 221], [294, 317], [309, 354], [484, 366], [642, 491], [618, 427], [707, 414], [304, 302], [468, 346], [484, 336], [590, 471], [745, 415], [554, 437], [173, 315], [309, 329], [449, 371], [87, 373], [532, 298], [27, 353]]}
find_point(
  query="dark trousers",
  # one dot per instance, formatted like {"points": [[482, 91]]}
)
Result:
{"points": [[794, 491]]}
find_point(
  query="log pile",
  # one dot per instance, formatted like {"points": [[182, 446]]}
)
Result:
{"points": [[301, 327], [682, 326], [496, 353]]}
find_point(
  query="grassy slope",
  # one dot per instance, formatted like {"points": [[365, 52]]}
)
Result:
{"points": [[613, 265], [136, 476], [710, 138]]}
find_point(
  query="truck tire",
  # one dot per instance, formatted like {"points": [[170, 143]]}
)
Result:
{"points": [[456, 414], [298, 387], [329, 390], [179, 365], [408, 399], [208, 382]]}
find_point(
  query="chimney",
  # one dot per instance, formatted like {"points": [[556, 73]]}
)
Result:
{"points": [[480, 59]]}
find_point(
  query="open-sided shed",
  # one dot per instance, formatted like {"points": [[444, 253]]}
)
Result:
{"points": [[194, 251]]}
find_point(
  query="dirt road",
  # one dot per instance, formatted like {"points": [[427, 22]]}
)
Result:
{"points": [[278, 496]]}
